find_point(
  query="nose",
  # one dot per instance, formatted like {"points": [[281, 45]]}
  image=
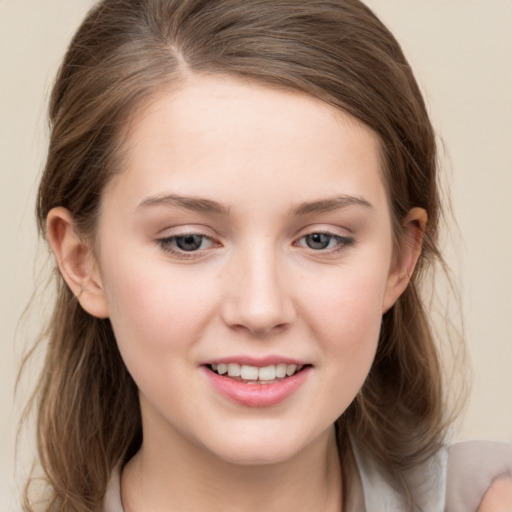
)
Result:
{"points": [[259, 299]]}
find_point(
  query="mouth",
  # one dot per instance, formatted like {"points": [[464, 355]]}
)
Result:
{"points": [[248, 374], [253, 383]]}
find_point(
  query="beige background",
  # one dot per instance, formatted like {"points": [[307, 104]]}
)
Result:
{"points": [[462, 54]]}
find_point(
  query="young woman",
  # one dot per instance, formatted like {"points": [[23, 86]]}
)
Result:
{"points": [[242, 201]]}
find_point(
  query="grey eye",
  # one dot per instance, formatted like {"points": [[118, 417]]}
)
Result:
{"points": [[190, 242], [318, 240], [187, 245]]}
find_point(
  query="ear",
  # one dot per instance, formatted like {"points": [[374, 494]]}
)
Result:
{"points": [[76, 262], [406, 256]]}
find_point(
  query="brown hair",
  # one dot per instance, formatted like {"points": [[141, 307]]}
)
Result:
{"points": [[125, 51]]}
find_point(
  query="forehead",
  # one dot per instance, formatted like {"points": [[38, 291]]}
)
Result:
{"points": [[217, 132]]}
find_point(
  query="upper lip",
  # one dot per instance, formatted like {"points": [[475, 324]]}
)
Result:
{"points": [[257, 361]]}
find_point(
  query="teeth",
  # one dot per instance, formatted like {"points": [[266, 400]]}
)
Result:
{"points": [[281, 371], [290, 369], [265, 373], [249, 372], [234, 370]]}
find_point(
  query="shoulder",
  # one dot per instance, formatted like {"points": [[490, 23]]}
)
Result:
{"points": [[463, 477], [477, 469]]}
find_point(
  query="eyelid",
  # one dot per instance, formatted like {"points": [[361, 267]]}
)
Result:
{"points": [[330, 228], [166, 244], [183, 229], [344, 241]]}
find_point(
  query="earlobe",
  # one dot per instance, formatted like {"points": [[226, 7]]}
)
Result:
{"points": [[76, 262], [407, 255]]}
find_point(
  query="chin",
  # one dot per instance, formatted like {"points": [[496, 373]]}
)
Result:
{"points": [[258, 454], [260, 447]]}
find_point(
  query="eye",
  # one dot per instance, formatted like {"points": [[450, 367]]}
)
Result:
{"points": [[325, 241], [189, 242], [186, 245]]}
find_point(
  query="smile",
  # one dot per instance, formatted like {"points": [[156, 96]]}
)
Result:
{"points": [[251, 385], [254, 374]]}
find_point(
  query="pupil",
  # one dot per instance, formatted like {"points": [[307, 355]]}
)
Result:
{"points": [[318, 240], [189, 242]]}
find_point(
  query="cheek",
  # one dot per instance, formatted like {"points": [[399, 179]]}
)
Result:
{"points": [[155, 313], [348, 304], [346, 316]]}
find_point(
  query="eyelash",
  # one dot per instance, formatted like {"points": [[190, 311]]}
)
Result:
{"points": [[169, 244], [342, 242]]}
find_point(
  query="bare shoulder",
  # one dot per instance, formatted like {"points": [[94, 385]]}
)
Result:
{"points": [[498, 498], [479, 477]]}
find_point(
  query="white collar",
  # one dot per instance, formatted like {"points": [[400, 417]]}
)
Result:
{"points": [[427, 480]]}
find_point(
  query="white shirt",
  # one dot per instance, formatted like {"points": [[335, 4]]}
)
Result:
{"points": [[454, 480]]}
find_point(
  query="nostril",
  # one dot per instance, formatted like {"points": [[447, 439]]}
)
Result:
{"points": [[258, 302], [262, 330]]}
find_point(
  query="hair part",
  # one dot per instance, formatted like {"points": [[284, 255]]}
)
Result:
{"points": [[122, 55]]}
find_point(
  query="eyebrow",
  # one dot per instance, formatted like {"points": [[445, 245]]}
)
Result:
{"points": [[203, 205], [330, 204], [197, 204]]}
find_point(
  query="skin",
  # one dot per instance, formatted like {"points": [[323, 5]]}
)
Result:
{"points": [[498, 498], [270, 160]]}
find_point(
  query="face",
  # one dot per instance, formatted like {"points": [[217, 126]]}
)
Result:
{"points": [[245, 257]]}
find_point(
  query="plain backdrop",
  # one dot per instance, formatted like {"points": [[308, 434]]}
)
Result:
{"points": [[461, 52]]}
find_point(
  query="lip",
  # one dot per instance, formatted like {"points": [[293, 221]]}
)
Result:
{"points": [[257, 361], [255, 394]]}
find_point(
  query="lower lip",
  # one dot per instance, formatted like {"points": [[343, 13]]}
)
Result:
{"points": [[257, 395]]}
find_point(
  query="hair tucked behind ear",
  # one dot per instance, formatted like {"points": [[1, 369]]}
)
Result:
{"points": [[124, 52]]}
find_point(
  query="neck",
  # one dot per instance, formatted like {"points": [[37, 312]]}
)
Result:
{"points": [[171, 477]]}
